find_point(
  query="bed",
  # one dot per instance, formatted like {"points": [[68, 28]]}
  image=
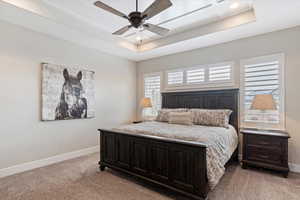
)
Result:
{"points": [[174, 156]]}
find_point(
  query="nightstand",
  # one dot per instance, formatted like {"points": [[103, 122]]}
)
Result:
{"points": [[267, 149]]}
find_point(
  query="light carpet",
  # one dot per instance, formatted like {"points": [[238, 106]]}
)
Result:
{"points": [[80, 179]]}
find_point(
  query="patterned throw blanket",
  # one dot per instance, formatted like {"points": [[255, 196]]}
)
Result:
{"points": [[221, 142]]}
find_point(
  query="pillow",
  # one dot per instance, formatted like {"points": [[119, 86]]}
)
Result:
{"points": [[163, 114], [184, 118], [208, 117]]}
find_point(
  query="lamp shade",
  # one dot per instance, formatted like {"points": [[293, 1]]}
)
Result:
{"points": [[146, 103], [263, 102]]}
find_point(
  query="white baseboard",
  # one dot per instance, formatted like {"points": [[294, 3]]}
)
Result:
{"points": [[47, 161], [293, 167]]}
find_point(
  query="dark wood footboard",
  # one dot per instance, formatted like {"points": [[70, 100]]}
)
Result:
{"points": [[175, 164]]}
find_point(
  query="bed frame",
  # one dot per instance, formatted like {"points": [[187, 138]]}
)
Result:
{"points": [[174, 164]]}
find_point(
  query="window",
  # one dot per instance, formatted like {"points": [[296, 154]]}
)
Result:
{"points": [[220, 73], [207, 76], [263, 75], [175, 77], [152, 91], [194, 76]]}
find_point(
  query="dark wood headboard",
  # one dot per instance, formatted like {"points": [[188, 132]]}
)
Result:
{"points": [[213, 99]]}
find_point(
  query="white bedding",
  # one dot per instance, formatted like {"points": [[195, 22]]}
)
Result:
{"points": [[221, 142]]}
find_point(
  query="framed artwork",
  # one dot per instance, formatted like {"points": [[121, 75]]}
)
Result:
{"points": [[67, 93]]}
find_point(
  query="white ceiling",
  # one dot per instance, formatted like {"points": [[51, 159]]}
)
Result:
{"points": [[193, 23]]}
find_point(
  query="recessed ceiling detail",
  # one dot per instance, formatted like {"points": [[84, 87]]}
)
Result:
{"points": [[192, 23], [184, 16], [210, 28]]}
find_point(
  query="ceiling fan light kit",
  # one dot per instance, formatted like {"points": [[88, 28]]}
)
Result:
{"points": [[137, 19]]}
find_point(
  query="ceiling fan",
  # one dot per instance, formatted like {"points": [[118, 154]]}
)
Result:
{"points": [[137, 19]]}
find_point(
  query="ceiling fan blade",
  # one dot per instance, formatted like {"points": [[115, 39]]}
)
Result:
{"points": [[122, 30], [156, 7], [156, 29], [110, 9]]}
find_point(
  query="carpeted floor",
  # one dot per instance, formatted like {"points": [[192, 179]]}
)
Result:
{"points": [[79, 179]]}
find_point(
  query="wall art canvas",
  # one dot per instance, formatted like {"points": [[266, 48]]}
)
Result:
{"points": [[67, 93]]}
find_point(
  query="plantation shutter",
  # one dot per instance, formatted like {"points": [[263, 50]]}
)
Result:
{"points": [[152, 91], [263, 77], [194, 76], [220, 73], [175, 78], [212, 75]]}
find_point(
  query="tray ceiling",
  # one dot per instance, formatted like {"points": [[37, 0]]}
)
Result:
{"points": [[193, 23]]}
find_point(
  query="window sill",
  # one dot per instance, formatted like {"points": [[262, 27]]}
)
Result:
{"points": [[200, 86]]}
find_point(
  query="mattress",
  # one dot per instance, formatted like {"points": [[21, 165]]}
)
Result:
{"points": [[221, 142]]}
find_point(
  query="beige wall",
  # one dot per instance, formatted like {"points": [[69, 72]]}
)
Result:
{"points": [[286, 41], [24, 137]]}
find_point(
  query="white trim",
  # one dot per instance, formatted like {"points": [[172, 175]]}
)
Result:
{"points": [[294, 167], [152, 74], [200, 86], [47, 161], [199, 89]]}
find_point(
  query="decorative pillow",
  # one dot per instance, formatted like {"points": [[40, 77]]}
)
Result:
{"points": [[184, 118], [163, 114], [211, 117]]}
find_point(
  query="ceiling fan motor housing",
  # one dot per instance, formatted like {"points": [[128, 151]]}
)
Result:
{"points": [[136, 19]]}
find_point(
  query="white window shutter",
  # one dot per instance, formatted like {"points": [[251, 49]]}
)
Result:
{"points": [[220, 73], [263, 76], [202, 76], [175, 77], [152, 85], [194, 76]]}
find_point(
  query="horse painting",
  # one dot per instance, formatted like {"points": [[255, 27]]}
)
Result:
{"points": [[71, 105], [68, 93]]}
